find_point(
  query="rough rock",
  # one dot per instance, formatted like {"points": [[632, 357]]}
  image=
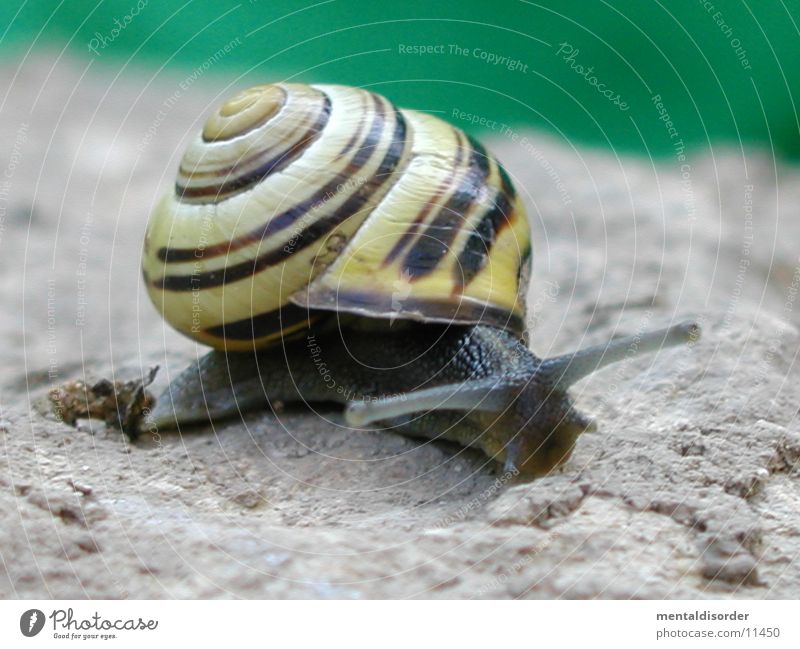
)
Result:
{"points": [[690, 487]]}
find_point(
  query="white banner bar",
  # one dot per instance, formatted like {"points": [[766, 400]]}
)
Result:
{"points": [[405, 624]]}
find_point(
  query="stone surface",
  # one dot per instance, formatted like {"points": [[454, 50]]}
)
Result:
{"points": [[690, 487]]}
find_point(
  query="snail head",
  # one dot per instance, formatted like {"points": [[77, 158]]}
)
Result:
{"points": [[528, 422]]}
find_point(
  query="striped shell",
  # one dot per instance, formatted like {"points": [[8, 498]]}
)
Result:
{"points": [[298, 200]]}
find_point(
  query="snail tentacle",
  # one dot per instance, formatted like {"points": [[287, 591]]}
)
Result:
{"points": [[486, 395], [562, 371]]}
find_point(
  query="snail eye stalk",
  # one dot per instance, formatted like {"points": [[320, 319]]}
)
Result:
{"points": [[561, 372]]}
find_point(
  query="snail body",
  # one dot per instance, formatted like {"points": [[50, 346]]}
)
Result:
{"points": [[321, 225]]}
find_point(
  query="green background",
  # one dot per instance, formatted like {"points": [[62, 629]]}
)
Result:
{"points": [[637, 48]]}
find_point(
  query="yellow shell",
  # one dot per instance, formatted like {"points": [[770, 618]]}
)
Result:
{"points": [[297, 200]]}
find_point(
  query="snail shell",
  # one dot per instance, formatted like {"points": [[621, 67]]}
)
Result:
{"points": [[297, 200]]}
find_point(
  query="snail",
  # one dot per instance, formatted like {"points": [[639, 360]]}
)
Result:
{"points": [[332, 248]]}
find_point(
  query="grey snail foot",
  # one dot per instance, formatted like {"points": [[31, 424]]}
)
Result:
{"points": [[489, 391], [216, 387]]}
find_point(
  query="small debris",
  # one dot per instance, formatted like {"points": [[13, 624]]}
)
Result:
{"points": [[121, 404], [747, 484], [80, 488]]}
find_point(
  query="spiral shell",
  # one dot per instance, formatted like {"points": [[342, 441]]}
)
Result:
{"points": [[300, 200]]}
